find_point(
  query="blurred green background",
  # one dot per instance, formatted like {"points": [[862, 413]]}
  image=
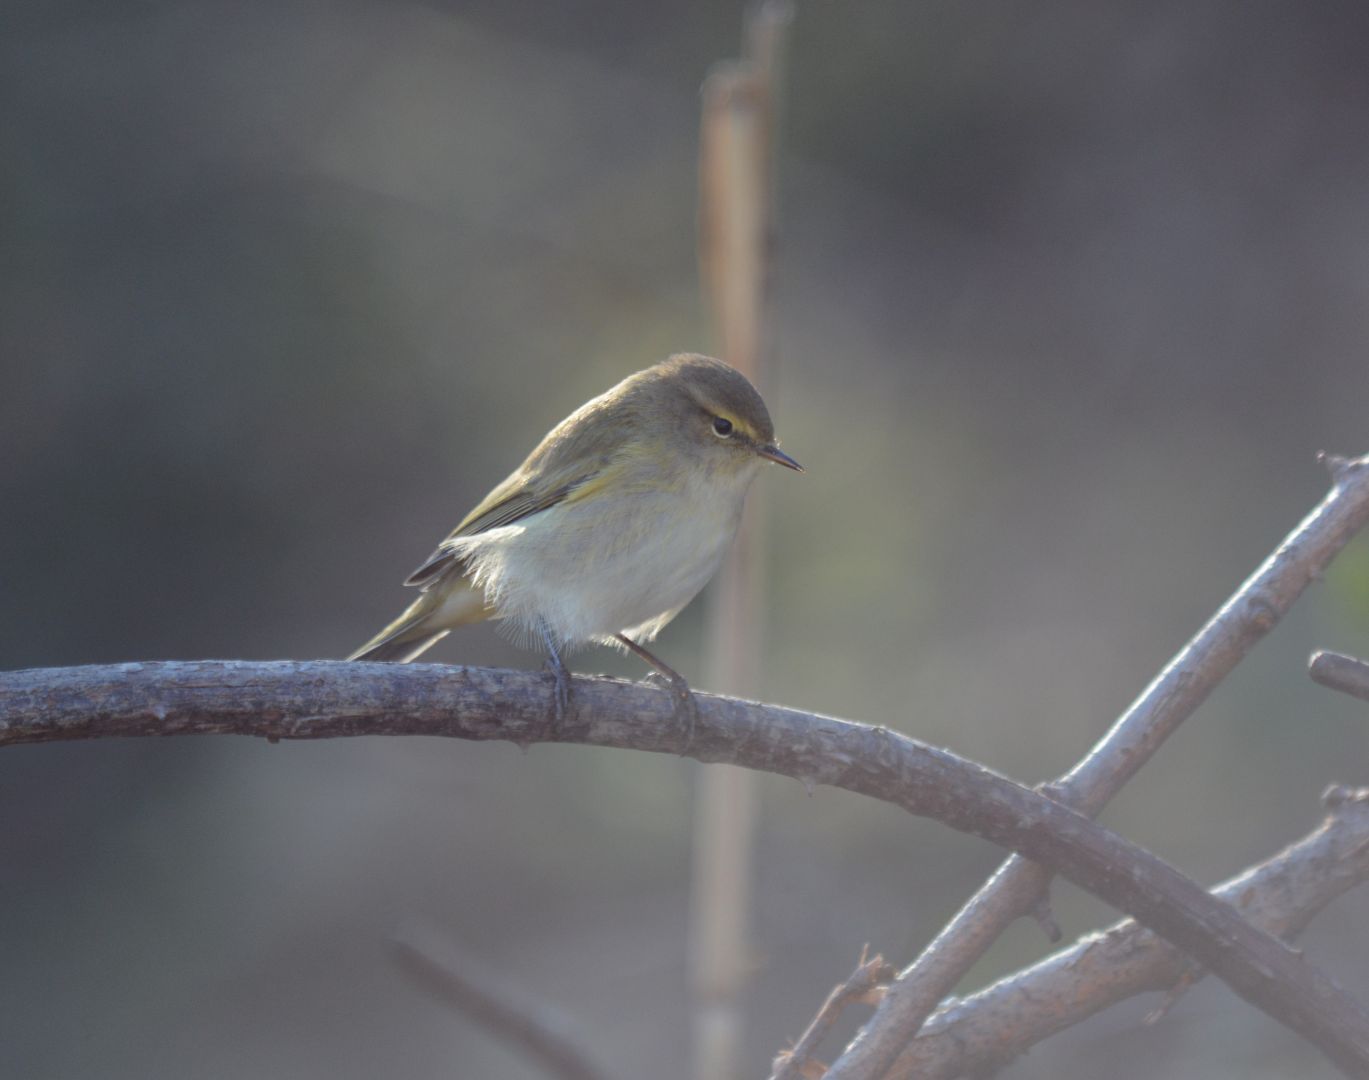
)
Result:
{"points": [[1068, 296]]}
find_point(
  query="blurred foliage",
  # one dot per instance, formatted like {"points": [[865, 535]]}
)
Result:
{"points": [[1068, 296]]}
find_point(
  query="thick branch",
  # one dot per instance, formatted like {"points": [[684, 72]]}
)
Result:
{"points": [[301, 700], [976, 1034], [1183, 685]]}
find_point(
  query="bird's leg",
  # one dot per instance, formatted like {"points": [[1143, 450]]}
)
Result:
{"points": [[559, 673], [686, 708]]}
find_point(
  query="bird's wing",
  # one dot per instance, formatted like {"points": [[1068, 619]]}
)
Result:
{"points": [[503, 506], [542, 482], [579, 456]]}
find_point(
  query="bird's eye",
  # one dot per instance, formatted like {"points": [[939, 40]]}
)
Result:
{"points": [[722, 427]]}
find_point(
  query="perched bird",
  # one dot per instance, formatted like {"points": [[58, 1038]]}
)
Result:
{"points": [[611, 526]]}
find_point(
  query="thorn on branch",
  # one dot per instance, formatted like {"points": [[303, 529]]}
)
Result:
{"points": [[1172, 996], [1340, 672], [1041, 908], [1340, 467], [1335, 464], [1045, 917], [1338, 795], [1263, 614], [807, 1070]]}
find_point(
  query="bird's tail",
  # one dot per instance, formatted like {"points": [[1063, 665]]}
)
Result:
{"points": [[425, 622]]}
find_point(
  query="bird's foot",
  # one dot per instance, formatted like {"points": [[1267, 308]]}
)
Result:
{"points": [[560, 700], [686, 710]]}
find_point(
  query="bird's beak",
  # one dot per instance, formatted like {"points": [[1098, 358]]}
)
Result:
{"points": [[775, 454]]}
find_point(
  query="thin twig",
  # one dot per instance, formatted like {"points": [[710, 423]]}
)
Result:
{"points": [[1341, 672], [1172, 697], [326, 699], [999, 1023], [870, 974], [533, 1027]]}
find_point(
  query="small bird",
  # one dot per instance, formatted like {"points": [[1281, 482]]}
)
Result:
{"points": [[612, 525]]}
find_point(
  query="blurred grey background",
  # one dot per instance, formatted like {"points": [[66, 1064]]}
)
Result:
{"points": [[1068, 297]]}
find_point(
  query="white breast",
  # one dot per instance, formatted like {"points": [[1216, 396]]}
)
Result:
{"points": [[587, 574]]}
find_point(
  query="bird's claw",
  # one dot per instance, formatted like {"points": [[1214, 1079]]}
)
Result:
{"points": [[560, 697], [686, 710], [561, 690]]}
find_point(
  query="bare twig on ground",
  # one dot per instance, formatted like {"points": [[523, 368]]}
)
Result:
{"points": [[532, 1027], [1176, 692], [325, 699]]}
